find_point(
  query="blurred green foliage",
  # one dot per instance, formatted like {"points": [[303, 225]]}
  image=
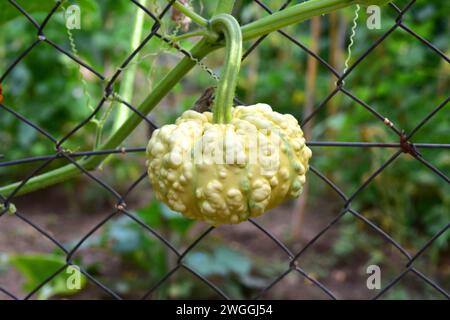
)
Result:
{"points": [[401, 79], [37, 269]]}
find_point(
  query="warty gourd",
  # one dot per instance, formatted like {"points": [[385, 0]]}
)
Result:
{"points": [[186, 175]]}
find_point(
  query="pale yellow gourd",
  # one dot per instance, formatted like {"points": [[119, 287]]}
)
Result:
{"points": [[231, 186]]}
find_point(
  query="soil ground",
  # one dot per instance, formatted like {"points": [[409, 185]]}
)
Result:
{"points": [[68, 223]]}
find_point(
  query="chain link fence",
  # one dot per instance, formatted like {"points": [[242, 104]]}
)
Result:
{"points": [[293, 260]]}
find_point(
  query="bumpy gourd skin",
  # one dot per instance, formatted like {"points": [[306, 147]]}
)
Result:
{"points": [[243, 185]]}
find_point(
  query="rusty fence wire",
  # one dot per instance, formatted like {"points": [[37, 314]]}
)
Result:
{"points": [[293, 259]]}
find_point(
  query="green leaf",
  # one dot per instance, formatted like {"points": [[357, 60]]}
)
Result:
{"points": [[203, 263], [253, 282], [232, 260], [151, 214], [124, 235], [223, 261], [176, 221], [85, 5], [26, 134], [36, 269], [10, 12]]}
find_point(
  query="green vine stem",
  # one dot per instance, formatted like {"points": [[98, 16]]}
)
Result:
{"points": [[198, 33], [90, 163], [126, 88], [291, 15], [297, 13], [228, 26], [198, 19]]}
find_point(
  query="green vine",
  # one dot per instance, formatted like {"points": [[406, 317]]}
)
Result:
{"points": [[198, 19], [228, 26], [263, 26], [126, 87]]}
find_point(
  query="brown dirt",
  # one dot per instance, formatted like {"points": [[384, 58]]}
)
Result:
{"points": [[68, 223]]}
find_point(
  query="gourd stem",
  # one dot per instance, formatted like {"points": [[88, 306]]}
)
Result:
{"points": [[228, 26]]}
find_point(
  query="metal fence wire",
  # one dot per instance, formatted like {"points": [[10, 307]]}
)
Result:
{"points": [[293, 259]]}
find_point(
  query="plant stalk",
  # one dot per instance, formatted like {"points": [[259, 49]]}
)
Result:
{"points": [[126, 88], [199, 33], [228, 26], [198, 19]]}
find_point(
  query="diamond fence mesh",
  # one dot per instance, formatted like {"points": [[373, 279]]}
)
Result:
{"points": [[293, 260]]}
